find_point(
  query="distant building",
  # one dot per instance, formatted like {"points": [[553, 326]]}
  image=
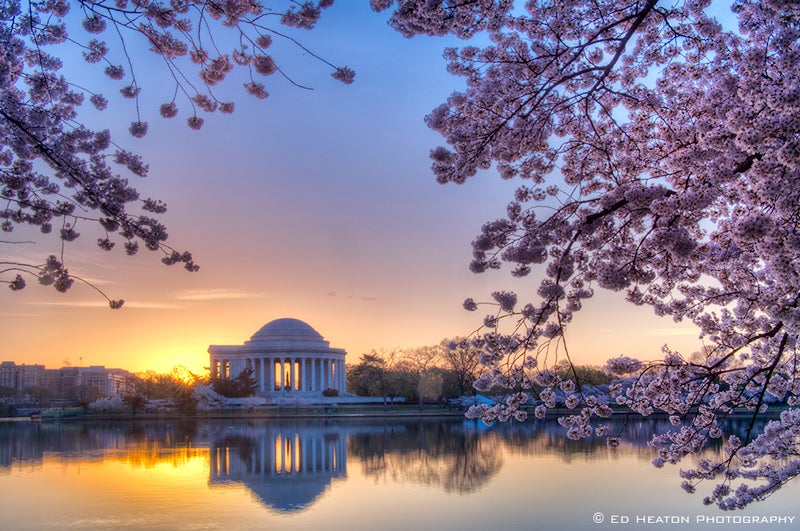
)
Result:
{"points": [[20, 377], [287, 357], [66, 381], [107, 382]]}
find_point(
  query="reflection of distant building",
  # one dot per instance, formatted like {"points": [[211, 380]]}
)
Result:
{"points": [[286, 356], [285, 466]]}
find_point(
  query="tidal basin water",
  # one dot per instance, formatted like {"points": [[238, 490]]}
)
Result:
{"points": [[349, 474]]}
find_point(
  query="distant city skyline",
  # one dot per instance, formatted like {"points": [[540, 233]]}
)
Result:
{"points": [[317, 205], [65, 382]]}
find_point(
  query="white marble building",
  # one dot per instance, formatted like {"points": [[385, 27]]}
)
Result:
{"points": [[287, 357]]}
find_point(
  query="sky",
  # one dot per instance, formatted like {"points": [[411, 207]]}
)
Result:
{"points": [[314, 204]]}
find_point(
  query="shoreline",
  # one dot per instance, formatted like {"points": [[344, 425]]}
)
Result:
{"points": [[255, 414], [309, 414]]}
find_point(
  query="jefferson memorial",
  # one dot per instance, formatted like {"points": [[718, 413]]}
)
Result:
{"points": [[286, 356]]}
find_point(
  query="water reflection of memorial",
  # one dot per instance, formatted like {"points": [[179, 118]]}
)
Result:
{"points": [[286, 465]]}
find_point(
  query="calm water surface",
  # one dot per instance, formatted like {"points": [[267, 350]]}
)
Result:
{"points": [[345, 474]]}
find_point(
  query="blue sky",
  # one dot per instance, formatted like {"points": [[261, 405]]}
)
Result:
{"points": [[318, 205]]}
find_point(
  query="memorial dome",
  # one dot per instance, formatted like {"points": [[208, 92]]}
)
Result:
{"points": [[286, 329], [287, 332]]}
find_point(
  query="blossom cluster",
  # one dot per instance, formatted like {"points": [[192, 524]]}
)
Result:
{"points": [[761, 467], [54, 171], [658, 156]]}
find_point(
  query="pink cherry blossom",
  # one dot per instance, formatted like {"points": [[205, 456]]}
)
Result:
{"points": [[49, 155], [658, 156]]}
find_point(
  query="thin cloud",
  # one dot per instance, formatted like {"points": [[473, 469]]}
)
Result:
{"points": [[150, 305], [74, 304], [75, 266], [365, 298], [95, 281], [215, 294], [678, 331], [19, 314], [103, 304]]}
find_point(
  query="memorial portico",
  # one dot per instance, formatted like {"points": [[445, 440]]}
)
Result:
{"points": [[286, 356]]}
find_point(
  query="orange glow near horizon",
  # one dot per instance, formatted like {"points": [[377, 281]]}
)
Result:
{"points": [[318, 205], [139, 341]]}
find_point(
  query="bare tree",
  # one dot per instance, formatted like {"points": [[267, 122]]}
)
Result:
{"points": [[419, 362], [462, 358]]}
